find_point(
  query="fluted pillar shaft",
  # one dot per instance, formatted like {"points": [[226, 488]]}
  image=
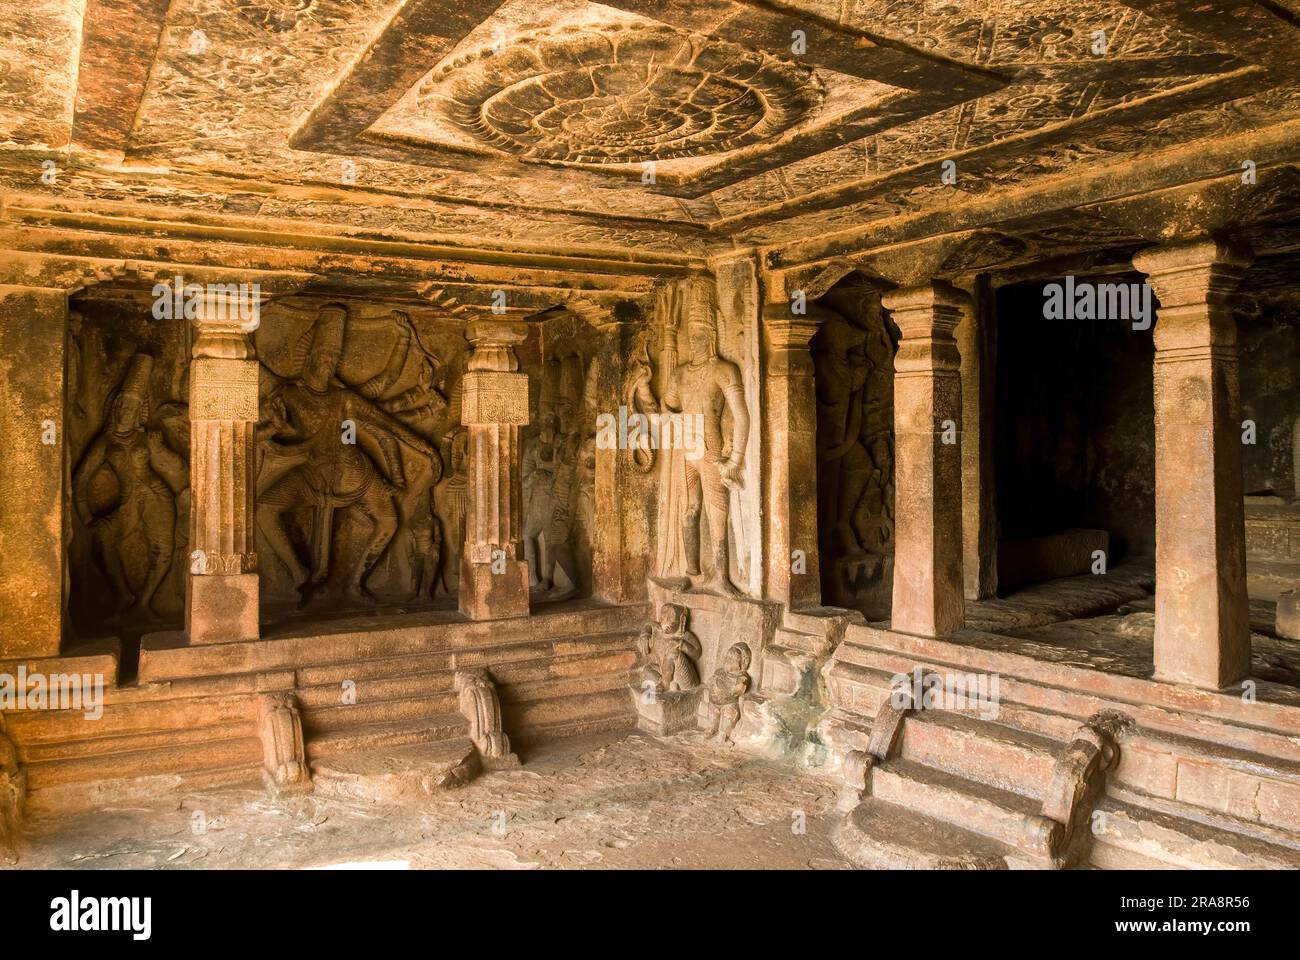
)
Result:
{"points": [[493, 571], [222, 590]]}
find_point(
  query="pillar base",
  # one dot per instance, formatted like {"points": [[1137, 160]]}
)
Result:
{"points": [[485, 595], [222, 609]]}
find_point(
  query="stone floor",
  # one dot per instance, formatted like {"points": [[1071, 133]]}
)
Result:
{"points": [[602, 801]]}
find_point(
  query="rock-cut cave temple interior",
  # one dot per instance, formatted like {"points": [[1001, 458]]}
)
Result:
{"points": [[897, 400]]}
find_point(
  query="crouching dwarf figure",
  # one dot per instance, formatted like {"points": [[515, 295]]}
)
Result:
{"points": [[728, 685], [670, 650]]}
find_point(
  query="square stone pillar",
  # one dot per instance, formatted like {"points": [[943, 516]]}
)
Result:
{"points": [[790, 432], [493, 571], [222, 595], [621, 541], [975, 339], [1202, 634], [33, 329], [927, 472]]}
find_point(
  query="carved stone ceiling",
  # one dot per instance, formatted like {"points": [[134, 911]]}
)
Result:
{"points": [[688, 128]]}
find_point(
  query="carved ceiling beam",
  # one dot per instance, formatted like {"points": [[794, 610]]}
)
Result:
{"points": [[1258, 32], [975, 160], [828, 44], [1227, 205], [419, 35], [364, 265], [1211, 160], [120, 40]]}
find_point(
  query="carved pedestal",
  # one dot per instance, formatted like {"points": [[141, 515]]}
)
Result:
{"points": [[493, 573], [221, 603], [1202, 632], [928, 584]]}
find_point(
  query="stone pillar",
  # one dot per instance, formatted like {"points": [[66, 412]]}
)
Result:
{"points": [[927, 480], [790, 433], [621, 543], [1202, 634], [493, 572], [975, 339], [33, 330], [221, 596]]}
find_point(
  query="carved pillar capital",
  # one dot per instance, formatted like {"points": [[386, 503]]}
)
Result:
{"points": [[225, 316], [494, 343], [788, 337], [1196, 283]]}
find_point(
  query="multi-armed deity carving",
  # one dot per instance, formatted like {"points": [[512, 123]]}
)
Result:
{"points": [[335, 449], [125, 489], [704, 432]]}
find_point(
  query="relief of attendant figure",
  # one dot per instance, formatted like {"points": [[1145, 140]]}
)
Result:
{"points": [[126, 484]]}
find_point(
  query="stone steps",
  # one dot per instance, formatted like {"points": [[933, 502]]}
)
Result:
{"points": [[556, 675], [1015, 761], [173, 758], [396, 733], [889, 836], [396, 774], [1005, 817], [1132, 836]]}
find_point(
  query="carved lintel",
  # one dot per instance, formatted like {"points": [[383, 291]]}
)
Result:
{"points": [[284, 757], [13, 794], [1079, 776], [482, 708]]}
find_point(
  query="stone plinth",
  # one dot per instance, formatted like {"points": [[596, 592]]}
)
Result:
{"points": [[928, 585], [1202, 625], [493, 572], [222, 590]]}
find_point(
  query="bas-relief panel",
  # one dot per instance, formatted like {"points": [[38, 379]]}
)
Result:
{"points": [[853, 361], [360, 454], [127, 436], [691, 392], [360, 460], [559, 461]]}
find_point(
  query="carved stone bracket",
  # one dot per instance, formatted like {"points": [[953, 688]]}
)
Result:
{"points": [[482, 708], [1079, 777], [284, 756]]}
